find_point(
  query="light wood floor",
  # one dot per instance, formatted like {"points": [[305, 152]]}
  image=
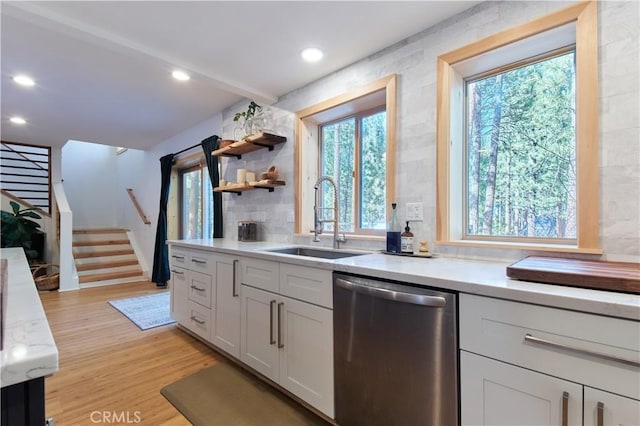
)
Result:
{"points": [[108, 365]]}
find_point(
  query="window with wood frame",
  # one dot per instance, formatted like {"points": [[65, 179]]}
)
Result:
{"points": [[353, 152], [517, 137], [350, 138]]}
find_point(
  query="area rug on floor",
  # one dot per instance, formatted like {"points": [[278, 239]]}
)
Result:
{"points": [[146, 311], [227, 395]]}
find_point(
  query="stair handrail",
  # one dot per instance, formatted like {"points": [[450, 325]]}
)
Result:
{"points": [[144, 217]]}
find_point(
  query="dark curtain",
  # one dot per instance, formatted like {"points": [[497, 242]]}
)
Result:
{"points": [[210, 144], [161, 273]]}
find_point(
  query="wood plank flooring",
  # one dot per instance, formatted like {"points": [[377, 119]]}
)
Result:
{"points": [[108, 366]]}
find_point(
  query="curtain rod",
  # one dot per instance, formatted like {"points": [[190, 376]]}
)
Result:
{"points": [[186, 149]]}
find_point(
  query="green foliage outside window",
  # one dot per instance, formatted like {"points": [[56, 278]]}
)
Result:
{"points": [[521, 151]]}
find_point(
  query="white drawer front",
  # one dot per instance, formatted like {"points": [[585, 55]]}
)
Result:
{"points": [[200, 288], [202, 261], [259, 273], [199, 320], [179, 257], [499, 329], [307, 284]]}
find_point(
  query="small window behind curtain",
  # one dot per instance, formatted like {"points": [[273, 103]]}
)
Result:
{"points": [[521, 151], [196, 203], [353, 153]]}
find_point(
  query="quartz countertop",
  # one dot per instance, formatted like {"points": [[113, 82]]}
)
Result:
{"points": [[485, 278], [29, 350]]}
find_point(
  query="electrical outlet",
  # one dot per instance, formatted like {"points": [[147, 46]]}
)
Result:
{"points": [[291, 217], [414, 211]]}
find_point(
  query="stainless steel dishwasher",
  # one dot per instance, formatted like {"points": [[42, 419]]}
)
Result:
{"points": [[395, 353]]}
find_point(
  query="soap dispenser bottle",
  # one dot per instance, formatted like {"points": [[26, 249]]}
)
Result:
{"points": [[393, 232], [406, 240]]}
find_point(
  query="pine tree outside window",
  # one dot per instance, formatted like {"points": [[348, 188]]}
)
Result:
{"points": [[520, 151]]}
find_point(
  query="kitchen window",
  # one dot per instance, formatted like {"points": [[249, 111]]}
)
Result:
{"points": [[517, 137], [196, 203], [353, 152], [350, 138]]}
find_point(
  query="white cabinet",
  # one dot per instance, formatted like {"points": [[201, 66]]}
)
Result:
{"points": [[519, 363], [205, 296], [286, 339], [496, 393], [604, 408], [291, 343], [225, 332]]}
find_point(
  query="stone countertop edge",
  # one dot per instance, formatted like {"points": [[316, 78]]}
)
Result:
{"points": [[29, 349], [484, 278]]}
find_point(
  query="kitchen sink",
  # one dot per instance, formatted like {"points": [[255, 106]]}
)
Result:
{"points": [[318, 253]]}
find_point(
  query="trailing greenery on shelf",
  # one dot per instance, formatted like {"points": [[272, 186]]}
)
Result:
{"points": [[17, 228], [249, 113]]}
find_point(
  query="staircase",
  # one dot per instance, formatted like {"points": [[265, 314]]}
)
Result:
{"points": [[105, 257]]}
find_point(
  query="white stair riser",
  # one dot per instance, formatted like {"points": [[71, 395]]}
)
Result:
{"points": [[107, 270]]}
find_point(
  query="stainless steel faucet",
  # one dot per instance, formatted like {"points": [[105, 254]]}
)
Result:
{"points": [[317, 222]]}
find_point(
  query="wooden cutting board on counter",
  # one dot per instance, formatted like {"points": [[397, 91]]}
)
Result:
{"points": [[601, 275]]}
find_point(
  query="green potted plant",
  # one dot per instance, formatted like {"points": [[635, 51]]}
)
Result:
{"points": [[18, 229], [247, 117]]}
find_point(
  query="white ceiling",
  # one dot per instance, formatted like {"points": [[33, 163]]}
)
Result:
{"points": [[102, 69]]}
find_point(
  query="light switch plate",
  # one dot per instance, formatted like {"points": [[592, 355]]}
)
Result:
{"points": [[414, 212]]}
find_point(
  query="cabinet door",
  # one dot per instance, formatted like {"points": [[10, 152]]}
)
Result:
{"points": [[603, 408], [305, 339], [179, 294], [226, 327], [496, 393], [258, 331]]}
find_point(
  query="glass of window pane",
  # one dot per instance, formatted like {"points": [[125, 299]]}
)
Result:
{"points": [[520, 151], [373, 171]]}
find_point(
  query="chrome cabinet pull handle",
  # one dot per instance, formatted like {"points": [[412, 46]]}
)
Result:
{"points": [[600, 420], [272, 341], [280, 342], [195, 319], [195, 287], [234, 292], [538, 341], [565, 408], [201, 262], [175, 256], [177, 272]]}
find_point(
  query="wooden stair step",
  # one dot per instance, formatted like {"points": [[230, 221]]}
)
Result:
{"points": [[82, 255], [109, 276], [90, 243], [100, 231], [103, 265]]}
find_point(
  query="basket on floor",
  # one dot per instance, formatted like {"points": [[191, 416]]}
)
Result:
{"points": [[46, 281]]}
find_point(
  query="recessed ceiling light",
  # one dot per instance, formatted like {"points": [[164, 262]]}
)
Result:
{"points": [[24, 80], [18, 120], [180, 75], [311, 54]]}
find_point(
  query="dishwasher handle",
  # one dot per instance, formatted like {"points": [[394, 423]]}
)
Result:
{"points": [[394, 295]]}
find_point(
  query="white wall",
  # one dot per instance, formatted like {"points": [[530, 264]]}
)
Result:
{"points": [[414, 60], [90, 182], [140, 170]]}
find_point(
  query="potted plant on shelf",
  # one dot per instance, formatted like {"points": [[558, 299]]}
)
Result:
{"points": [[246, 124], [18, 229]]}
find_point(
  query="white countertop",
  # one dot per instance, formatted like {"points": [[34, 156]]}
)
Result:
{"points": [[29, 350], [467, 276]]}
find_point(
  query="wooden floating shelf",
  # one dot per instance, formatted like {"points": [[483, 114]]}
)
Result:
{"points": [[239, 188], [249, 144]]}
